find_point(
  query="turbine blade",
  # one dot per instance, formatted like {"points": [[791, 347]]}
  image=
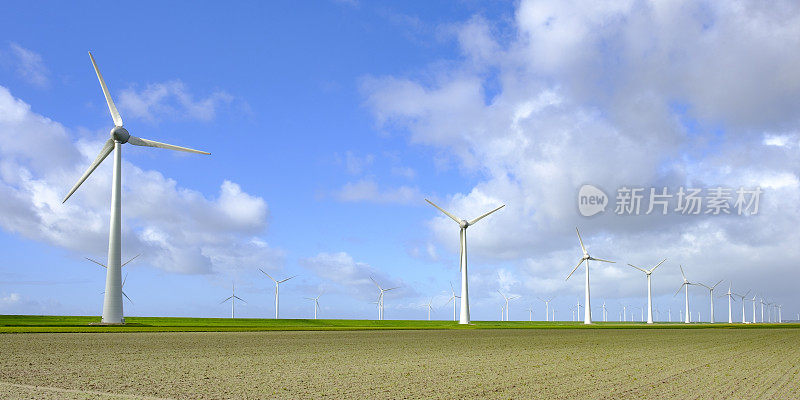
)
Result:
{"points": [[225, 300], [580, 240], [287, 279], [126, 296], [682, 274], [126, 262], [239, 298], [657, 265], [125, 279], [715, 285], [111, 107], [396, 287], [638, 268], [458, 221], [600, 259], [136, 141], [376, 284], [485, 215], [573, 270], [104, 152], [679, 289], [268, 275], [96, 262]]}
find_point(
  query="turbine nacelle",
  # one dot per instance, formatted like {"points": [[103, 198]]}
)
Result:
{"points": [[463, 224], [120, 134]]}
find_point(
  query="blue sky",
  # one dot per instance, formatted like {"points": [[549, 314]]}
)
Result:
{"points": [[329, 122]]}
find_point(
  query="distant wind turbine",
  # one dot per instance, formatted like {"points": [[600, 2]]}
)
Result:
{"points": [[277, 284], [429, 306], [316, 303], [233, 299], [122, 287], [685, 284], [112, 302], [507, 299], [464, 224], [711, 296], [587, 319], [649, 272], [547, 308], [530, 313], [380, 297], [453, 298]]}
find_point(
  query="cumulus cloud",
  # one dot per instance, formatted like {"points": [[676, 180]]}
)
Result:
{"points": [[615, 94], [30, 66], [170, 100], [177, 229]]}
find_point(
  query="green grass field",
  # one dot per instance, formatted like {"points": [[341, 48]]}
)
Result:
{"points": [[78, 324]]}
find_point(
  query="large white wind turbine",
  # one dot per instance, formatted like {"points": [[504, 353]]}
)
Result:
{"points": [[429, 306], [380, 297], [316, 303], [730, 302], [587, 317], [464, 224], [547, 308], [233, 299], [649, 272], [112, 302], [123, 280], [507, 299], [453, 298], [711, 295], [277, 283], [686, 284]]}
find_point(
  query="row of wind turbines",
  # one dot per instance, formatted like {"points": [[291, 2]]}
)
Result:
{"points": [[113, 294]]}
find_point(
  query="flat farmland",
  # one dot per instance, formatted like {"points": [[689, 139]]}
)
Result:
{"points": [[391, 364]]}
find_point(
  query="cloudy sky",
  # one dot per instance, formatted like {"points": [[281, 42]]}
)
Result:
{"points": [[329, 123]]}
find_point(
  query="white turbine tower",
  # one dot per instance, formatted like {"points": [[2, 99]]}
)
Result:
{"points": [[277, 284], [753, 300], [123, 280], [530, 313], [464, 224], [730, 302], [316, 303], [507, 299], [649, 272], [453, 298], [605, 312], [233, 299], [743, 298], [112, 302], [711, 295], [429, 306], [686, 284], [380, 297], [547, 308], [587, 318]]}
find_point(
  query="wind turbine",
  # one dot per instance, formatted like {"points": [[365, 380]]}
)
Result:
{"points": [[711, 294], [685, 283], [507, 299], [277, 283], [502, 311], [649, 272], [123, 280], [730, 302], [464, 224], [430, 308], [753, 300], [762, 310], [452, 298], [605, 312], [316, 303], [112, 302], [233, 299], [742, 297], [587, 318], [380, 297], [530, 313], [547, 308]]}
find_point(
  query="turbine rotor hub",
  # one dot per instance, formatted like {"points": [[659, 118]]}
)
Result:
{"points": [[464, 224], [120, 134]]}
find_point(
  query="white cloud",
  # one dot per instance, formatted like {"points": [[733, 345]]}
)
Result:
{"points": [[354, 276], [30, 66], [10, 299], [356, 165], [177, 229], [613, 94], [367, 190], [170, 100]]}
